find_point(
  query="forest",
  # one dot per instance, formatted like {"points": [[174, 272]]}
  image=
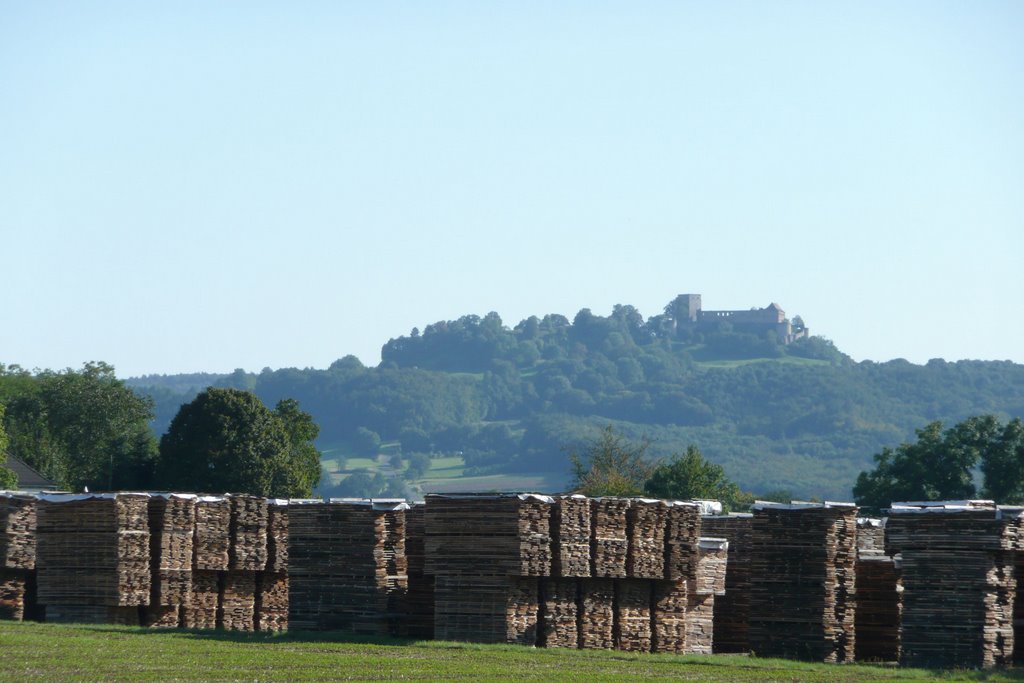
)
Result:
{"points": [[802, 418]]}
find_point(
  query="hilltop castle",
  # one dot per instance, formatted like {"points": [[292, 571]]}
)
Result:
{"points": [[687, 314]]}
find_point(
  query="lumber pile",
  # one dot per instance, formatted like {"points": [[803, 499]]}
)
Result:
{"points": [[172, 520], [499, 534], [485, 552], [645, 554], [344, 559], [237, 609], [879, 608], [271, 601], [277, 535], [732, 610], [212, 539], [633, 624], [958, 581], [571, 537], [670, 614], [201, 611], [802, 591], [92, 551], [419, 599], [248, 533], [597, 614], [682, 534], [17, 531], [17, 555], [609, 546], [559, 612], [93, 614]]}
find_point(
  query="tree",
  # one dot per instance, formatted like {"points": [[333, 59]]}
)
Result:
{"points": [[1003, 464], [937, 466], [609, 465], [80, 427], [302, 471], [227, 440], [688, 475], [8, 479], [366, 442]]}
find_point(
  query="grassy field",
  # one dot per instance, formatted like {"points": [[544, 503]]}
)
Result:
{"points": [[52, 652]]}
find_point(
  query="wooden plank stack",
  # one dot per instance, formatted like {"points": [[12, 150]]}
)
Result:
{"points": [[633, 619], [419, 600], [958, 581], [732, 610], [92, 551], [597, 614], [802, 596], [485, 552], [272, 583], [17, 555], [172, 520], [671, 617], [609, 545], [248, 533], [212, 539], [237, 608], [645, 555], [344, 556], [879, 595], [559, 612], [682, 535], [571, 537], [201, 610]]}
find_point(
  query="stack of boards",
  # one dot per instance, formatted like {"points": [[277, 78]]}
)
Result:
{"points": [[958, 581], [419, 599], [802, 589], [732, 610], [17, 555], [347, 565], [565, 572], [879, 595], [161, 560]]}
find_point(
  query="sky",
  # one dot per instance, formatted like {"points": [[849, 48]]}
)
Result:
{"points": [[197, 186]]}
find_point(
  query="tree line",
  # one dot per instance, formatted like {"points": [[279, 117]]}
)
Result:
{"points": [[87, 430]]}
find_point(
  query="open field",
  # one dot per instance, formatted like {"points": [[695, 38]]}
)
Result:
{"points": [[52, 652]]}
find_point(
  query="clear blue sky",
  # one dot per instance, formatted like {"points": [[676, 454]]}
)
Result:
{"points": [[198, 186]]}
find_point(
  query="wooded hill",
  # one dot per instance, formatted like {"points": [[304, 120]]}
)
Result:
{"points": [[801, 417]]}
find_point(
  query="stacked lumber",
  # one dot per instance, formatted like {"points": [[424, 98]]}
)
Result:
{"points": [[344, 556], [802, 592], [17, 554], [712, 564], [419, 600], [682, 533], [12, 594], [958, 581], [571, 537], [500, 534], [609, 546], [633, 630], [248, 533], [212, 539], [732, 610], [17, 531], [645, 554], [597, 614], [277, 535], [487, 609], [879, 608], [870, 536], [201, 611], [670, 616], [484, 552], [92, 550], [700, 623], [271, 601], [172, 520], [559, 612], [237, 611]]}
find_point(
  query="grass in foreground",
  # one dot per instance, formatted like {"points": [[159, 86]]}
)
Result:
{"points": [[52, 652]]}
